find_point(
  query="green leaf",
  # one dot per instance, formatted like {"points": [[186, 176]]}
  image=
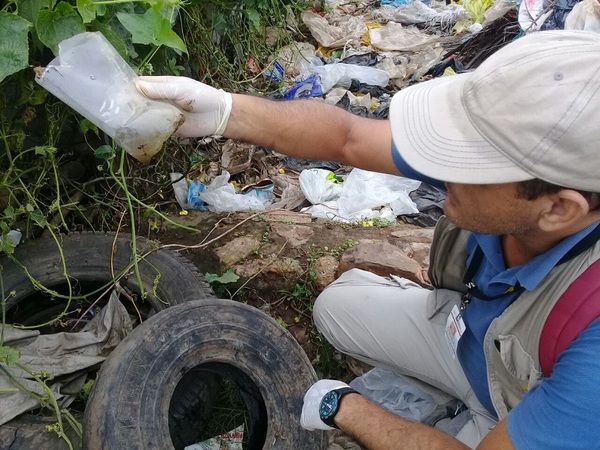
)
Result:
{"points": [[55, 26], [14, 47], [28, 9], [85, 125], [9, 212], [7, 246], [9, 355], [104, 152], [45, 150], [228, 277], [38, 218], [151, 28], [87, 10], [254, 18], [218, 21]]}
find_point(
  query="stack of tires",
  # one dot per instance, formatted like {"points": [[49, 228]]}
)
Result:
{"points": [[158, 388]]}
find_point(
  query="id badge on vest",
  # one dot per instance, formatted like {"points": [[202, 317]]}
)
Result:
{"points": [[455, 327]]}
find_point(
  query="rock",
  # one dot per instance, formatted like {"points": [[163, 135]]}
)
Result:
{"points": [[289, 217], [273, 273], [295, 235], [326, 268], [382, 259], [415, 234], [237, 249]]}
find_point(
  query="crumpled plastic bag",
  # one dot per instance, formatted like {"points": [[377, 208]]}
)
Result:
{"points": [[584, 16], [363, 189], [319, 185], [532, 15], [418, 13], [347, 32], [66, 357], [331, 74], [406, 397], [395, 37], [360, 194], [497, 10], [220, 196], [286, 62]]}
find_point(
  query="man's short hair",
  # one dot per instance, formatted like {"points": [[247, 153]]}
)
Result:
{"points": [[536, 188]]}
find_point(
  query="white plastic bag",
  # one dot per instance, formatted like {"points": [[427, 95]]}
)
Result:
{"points": [[395, 37], [363, 189], [331, 74], [347, 32], [92, 78], [318, 186], [531, 15], [584, 16], [220, 196]]}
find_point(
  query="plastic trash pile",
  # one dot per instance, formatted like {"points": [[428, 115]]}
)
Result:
{"points": [[359, 54]]}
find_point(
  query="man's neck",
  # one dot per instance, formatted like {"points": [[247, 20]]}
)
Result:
{"points": [[519, 249]]}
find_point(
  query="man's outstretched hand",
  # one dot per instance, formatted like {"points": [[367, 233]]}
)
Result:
{"points": [[206, 109]]}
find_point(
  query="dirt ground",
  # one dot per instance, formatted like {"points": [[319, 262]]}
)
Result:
{"points": [[312, 247]]}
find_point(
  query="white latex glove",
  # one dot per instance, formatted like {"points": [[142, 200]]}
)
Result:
{"points": [[310, 418], [206, 109]]}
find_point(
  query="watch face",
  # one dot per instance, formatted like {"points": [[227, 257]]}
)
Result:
{"points": [[329, 405]]}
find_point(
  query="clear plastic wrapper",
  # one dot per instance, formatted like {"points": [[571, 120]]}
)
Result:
{"points": [[91, 77]]}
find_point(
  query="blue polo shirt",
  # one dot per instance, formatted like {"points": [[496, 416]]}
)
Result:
{"points": [[562, 412]]}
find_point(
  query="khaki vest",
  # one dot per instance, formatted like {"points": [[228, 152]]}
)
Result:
{"points": [[511, 343]]}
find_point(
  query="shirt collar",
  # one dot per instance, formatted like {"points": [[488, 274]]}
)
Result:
{"points": [[528, 275]]}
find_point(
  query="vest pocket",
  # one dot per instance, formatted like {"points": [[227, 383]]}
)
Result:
{"points": [[518, 362]]}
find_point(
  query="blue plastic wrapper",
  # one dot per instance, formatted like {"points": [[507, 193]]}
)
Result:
{"points": [[309, 87], [275, 72], [193, 201]]}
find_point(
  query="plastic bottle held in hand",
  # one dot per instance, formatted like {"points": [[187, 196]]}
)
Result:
{"points": [[92, 78]]}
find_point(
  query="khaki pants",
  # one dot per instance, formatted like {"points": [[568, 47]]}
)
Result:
{"points": [[383, 322]]}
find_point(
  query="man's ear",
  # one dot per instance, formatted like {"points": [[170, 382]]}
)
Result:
{"points": [[563, 210]]}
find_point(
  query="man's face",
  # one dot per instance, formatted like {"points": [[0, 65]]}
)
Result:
{"points": [[490, 208]]}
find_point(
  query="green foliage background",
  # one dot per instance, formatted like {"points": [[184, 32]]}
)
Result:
{"points": [[223, 42]]}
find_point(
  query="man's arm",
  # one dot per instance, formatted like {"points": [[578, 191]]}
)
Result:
{"points": [[302, 128], [312, 130], [377, 429]]}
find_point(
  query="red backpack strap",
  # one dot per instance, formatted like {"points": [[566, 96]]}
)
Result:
{"points": [[575, 310]]}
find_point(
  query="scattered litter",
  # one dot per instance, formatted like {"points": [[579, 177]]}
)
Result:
{"points": [[231, 440], [221, 196], [584, 16], [334, 36], [331, 74], [418, 13], [180, 188], [394, 36], [362, 195], [236, 156], [286, 62]]}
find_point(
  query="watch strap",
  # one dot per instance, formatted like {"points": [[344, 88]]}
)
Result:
{"points": [[340, 393]]}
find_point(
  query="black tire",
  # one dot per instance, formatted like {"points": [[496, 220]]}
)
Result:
{"points": [[167, 277], [131, 403]]}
